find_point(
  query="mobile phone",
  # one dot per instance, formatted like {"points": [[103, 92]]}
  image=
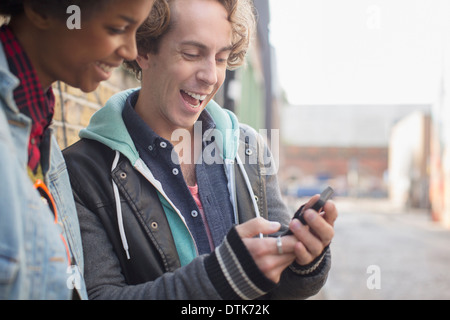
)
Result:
{"points": [[317, 206]]}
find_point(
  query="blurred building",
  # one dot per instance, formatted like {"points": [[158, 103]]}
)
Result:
{"points": [[439, 191], [346, 146], [440, 149], [252, 91], [409, 159]]}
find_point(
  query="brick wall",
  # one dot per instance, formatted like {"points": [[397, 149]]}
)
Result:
{"points": [[78, 107], [336, 161], [350, 170]]}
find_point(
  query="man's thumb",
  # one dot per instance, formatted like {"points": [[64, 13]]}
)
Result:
{"points": [[257, 226]]}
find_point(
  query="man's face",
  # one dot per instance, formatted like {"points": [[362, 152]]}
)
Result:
{"points": [[190, 66]]}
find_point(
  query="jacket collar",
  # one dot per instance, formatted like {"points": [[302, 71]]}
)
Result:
{"points": [[8, 82], [144, 136]]}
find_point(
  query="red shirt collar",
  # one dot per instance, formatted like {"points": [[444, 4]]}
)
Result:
{"points": [[29, 95]]}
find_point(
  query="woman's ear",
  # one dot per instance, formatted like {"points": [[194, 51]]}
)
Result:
{"points": [[40, 19]]}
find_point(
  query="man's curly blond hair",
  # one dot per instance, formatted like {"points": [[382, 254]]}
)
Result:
{"points": [[241, 14]]}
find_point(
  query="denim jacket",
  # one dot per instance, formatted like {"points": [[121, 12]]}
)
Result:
{"points": [[33, 259]]}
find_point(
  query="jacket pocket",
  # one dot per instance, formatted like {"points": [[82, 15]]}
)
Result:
{"points": [[8, 269]]}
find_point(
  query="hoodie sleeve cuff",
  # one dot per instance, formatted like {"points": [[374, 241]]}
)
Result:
{"points": [[311, 269], [234, 273]]}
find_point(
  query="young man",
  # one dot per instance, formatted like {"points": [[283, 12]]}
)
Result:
{"points": [[169, 197], [40, 244]]}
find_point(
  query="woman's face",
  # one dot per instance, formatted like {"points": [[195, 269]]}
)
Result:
{"points": [[84, 57]]}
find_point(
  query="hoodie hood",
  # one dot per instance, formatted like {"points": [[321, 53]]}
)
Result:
{"points": [[107, 126]]}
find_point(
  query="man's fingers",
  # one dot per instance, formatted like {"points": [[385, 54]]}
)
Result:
{"points": [[331, 212], [302, 254], [311, 201], [257, 226], [267, 257], [310, 240], [319, 226]]}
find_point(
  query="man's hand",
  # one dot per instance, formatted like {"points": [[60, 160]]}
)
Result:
{"points": [[317, 234], [305, 245], [264, 251]]}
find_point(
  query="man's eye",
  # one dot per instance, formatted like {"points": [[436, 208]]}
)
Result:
{"points": [[191, 55], [221, 60]]}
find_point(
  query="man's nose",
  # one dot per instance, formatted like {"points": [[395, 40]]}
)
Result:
{"points": [[208, 72]]}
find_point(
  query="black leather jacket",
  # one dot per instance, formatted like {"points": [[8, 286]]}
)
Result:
{"points": [[148, 233]]}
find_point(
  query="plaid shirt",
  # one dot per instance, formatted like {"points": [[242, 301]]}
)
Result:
{"points": [[29, 95]]}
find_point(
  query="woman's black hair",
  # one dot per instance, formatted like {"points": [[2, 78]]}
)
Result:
{"points": [[11, 7], [56, 8]]}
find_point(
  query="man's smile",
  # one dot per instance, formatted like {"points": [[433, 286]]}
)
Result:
{"points": [[193, 99]]}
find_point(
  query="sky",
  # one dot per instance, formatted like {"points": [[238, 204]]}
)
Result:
{"points": [[360, 51]]}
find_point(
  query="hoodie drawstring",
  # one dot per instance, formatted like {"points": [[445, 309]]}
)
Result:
{"points": [[231, 186], [119, 208], [249, 186]]}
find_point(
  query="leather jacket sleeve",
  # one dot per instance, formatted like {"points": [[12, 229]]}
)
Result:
{"points": [[105, 279], [151, 274]]}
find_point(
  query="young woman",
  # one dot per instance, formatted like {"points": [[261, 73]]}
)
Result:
{"points": [[40, 245]]}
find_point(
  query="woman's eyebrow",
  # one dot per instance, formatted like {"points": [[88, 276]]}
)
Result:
{"points": [[128, 19]]}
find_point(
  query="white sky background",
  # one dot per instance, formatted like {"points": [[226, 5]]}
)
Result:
{"points": [[359, 51]]}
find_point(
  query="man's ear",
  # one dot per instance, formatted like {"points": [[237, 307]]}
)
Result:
{"points": [[143, 60], [40, 19]]}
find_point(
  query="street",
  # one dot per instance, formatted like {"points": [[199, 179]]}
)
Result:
{"points": [[381, 253]]}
